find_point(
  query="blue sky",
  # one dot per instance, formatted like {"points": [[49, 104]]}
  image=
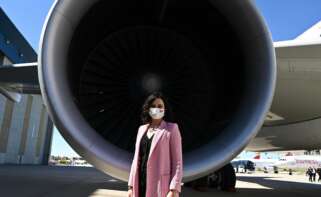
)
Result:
{"points": [[285, 18]]}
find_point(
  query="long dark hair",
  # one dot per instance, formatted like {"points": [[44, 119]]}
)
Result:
{"points": [[149, 100]]}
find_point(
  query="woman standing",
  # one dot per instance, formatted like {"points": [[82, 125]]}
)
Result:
{"points": [[157, 167]]}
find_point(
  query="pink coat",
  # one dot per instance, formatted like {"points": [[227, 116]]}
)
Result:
{"points": [[165, 162]]}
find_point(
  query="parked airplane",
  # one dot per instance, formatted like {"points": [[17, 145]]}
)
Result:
{"points": [[258, 163], [302, 161], [285, 162], [215, 61]]}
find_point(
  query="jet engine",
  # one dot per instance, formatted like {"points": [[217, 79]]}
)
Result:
{"points": [[213, 60]]}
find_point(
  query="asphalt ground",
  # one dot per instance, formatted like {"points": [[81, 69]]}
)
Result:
{"points": [[54, 181]]}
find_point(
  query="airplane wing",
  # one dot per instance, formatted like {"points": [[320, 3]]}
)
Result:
{"points": [[296, 102]]}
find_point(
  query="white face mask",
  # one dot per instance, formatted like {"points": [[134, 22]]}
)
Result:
{"points": [[156, 113]]}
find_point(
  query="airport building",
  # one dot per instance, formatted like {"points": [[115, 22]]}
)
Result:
{"points": [[25, 127]]}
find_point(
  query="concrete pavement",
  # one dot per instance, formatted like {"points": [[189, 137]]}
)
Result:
{"points": [[50, 181]]}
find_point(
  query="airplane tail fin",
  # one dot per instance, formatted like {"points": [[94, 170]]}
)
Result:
{"points": [[289, 154], [257, 156]]}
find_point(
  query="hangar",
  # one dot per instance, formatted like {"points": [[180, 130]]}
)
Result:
{"points": [[25, 127]]}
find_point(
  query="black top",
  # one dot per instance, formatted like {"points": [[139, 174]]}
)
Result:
{"points": [[143, 154]]}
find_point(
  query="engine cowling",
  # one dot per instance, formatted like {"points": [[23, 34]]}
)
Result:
{"points": [[214, 61]]}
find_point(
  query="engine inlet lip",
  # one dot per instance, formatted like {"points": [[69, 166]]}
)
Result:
{"points": [[56, 37]]}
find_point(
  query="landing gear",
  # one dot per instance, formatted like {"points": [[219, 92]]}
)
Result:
{"points": [[275, 169], [223, 179]]}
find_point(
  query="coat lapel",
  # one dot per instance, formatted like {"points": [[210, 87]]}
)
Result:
{"points": [[156, 137]]}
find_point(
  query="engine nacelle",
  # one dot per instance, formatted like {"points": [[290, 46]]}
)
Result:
{"points": [[213, 60]]}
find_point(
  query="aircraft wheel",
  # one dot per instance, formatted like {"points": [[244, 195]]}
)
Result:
{"points": [[224, 178]]}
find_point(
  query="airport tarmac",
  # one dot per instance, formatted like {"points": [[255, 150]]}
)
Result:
{"points": [[54, 181]]}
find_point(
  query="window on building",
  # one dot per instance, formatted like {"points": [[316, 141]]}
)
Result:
{"points": [[6, 61], [1, 58]]}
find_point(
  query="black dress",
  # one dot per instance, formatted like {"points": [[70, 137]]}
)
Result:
{"points": [[143, 154]]}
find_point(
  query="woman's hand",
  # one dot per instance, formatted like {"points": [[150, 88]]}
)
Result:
{"points": [[172, 193], [130, 193]]}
